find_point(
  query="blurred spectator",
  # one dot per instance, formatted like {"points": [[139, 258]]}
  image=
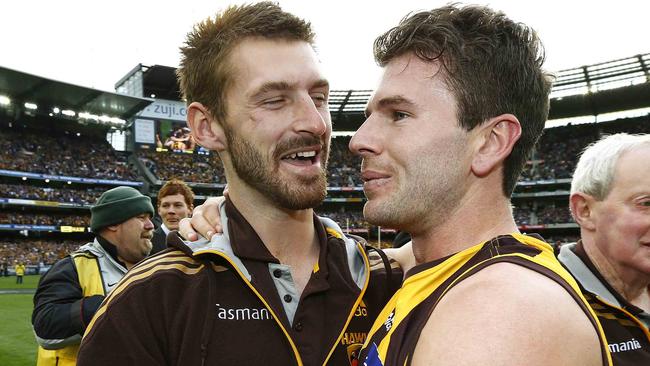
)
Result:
{"points": [[554, 215], [343, 166], [522, 214], [347, 220], [19, 268], [558, 241]]}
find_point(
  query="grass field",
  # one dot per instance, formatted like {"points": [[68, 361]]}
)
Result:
{"points": [[9, 283], [17, 344]]}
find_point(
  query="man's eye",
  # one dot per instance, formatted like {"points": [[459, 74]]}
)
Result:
{"points": [[274, 102], [397, 115], [319, 99]]}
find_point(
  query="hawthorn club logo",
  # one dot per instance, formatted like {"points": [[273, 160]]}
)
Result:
{"points": [[353, 353]]}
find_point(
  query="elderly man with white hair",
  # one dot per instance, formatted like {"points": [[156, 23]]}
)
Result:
{"points": [[610, 200]]}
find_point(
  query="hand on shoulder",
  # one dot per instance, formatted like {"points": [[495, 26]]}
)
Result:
{"points": [[402, 255]]}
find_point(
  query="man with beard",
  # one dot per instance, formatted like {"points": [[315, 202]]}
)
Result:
{"points": [[281, 286], [70, 293]]}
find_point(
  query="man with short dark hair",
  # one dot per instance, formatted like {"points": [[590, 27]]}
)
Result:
{"points": [[70, 293], [610, 200], [461, 103], [175, 202]]}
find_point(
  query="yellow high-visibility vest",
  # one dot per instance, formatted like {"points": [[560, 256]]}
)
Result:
{"points": [[90, 280]]}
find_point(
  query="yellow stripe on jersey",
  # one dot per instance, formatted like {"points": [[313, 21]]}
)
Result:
{"points": [[418, 287], [414, 290]]}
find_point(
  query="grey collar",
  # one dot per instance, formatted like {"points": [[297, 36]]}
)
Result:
{"points": [[583, 275]]}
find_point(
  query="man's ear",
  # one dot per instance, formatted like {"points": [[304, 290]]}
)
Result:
{"points": [[582, 209], [496, 138], [205, 129], [112, 228]]}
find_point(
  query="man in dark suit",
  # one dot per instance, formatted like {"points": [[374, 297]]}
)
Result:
{"points": [[175, 202]]}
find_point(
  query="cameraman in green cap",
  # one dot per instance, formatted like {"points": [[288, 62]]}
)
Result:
{"points": [[70, 293]]}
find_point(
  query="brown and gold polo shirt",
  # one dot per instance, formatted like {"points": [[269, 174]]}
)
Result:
{"points": [[229, 301]]}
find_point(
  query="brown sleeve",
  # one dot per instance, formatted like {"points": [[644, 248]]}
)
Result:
{"points": [[127, 331]]}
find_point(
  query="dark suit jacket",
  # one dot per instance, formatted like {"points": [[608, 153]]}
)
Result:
{"points": [[159, 241]]}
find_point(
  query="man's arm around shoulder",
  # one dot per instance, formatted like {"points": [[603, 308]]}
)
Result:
{"points": [[508, 315]]}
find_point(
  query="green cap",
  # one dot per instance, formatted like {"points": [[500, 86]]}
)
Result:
{"points": [[118, 205]]}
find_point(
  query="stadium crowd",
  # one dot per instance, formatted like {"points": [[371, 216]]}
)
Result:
{"points": [[54, 219], [343, 166], [186, 167], [82, 197], [347, 220], [553, 215], [30, 251], [524, 215], [62, 154], [554, 157], [556, 152]]}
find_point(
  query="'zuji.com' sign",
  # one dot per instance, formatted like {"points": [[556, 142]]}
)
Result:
{"points": [[165, 109]]}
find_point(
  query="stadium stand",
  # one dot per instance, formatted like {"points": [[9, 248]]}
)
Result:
{"points": [[33, 151], [343, 166], [55, 219], [77, 196], [553, 161], [52, 167], [196, 168], [32, 251], [555, 156]]}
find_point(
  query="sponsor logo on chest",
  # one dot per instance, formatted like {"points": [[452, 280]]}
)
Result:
{"points": [[242, 313], [630, 345]]}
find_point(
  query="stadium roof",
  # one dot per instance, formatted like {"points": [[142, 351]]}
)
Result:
{"points": [[161, 81], [28, 88], [611, 86], [157, 81]]}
